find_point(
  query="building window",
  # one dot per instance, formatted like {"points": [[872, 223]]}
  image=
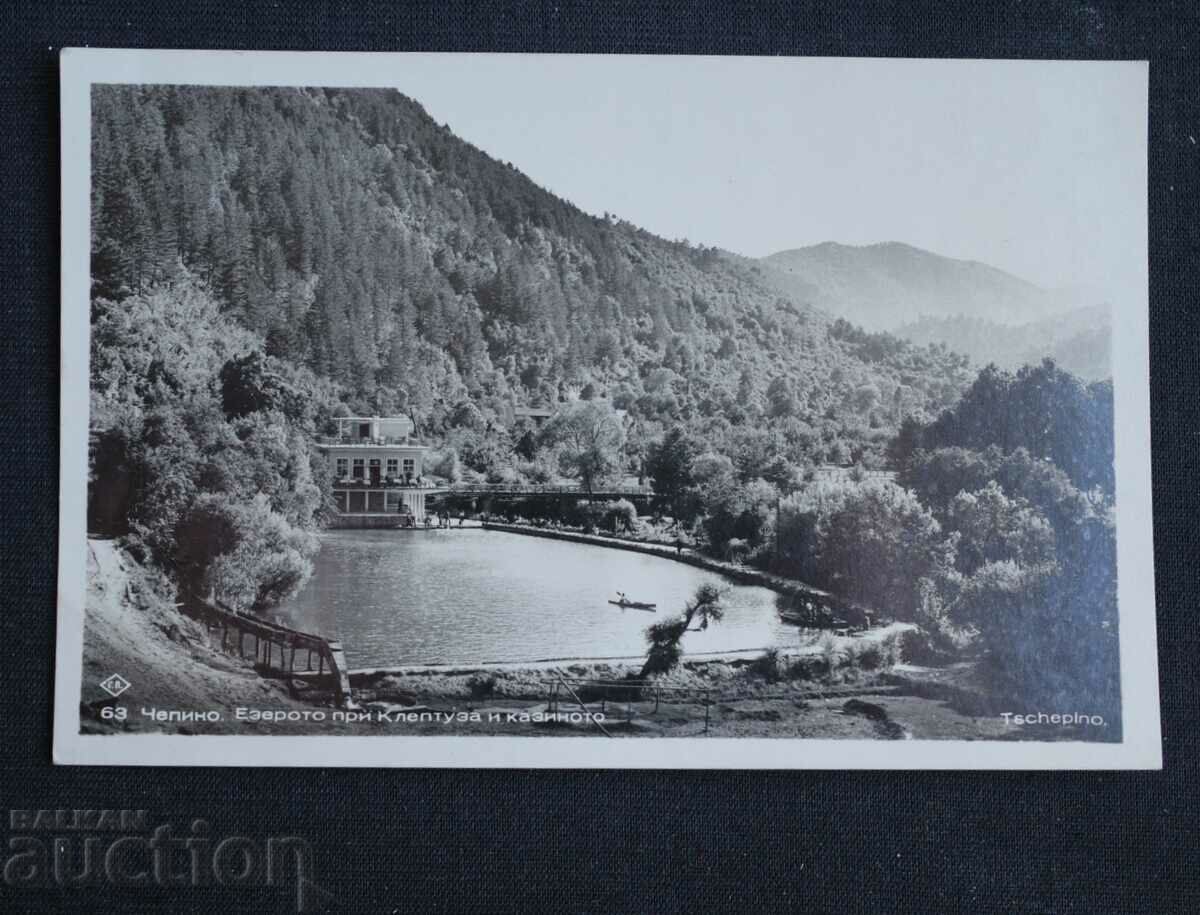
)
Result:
{"points": [[393, 466], [343, 468], [360, 472], [410, 467]]}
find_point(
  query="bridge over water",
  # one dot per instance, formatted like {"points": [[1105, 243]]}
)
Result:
{"points": [[614, 491]]}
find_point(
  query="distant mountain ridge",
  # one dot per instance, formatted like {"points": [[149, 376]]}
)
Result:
{"points": [[1080, 341], [368, 244], [884, 286]]}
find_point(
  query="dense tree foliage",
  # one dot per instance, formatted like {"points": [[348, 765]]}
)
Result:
{"points": [[872, 543], [367, 243], [264, 259], [589, 437], [247, 242], [206, 457], [1020, 474], [1048, 412], [669, 465], [994, 527], [1079, 341]]}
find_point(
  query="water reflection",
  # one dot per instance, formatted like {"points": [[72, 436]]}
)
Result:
{"points": [[466, 596]]}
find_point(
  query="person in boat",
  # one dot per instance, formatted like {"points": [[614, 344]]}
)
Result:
{"points": [[621, 598]]}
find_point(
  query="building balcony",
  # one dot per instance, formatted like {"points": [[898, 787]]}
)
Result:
{"points": [[383, 441], [385, 483]]}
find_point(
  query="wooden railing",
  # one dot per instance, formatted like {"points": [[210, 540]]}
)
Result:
{"points": [[236, 628], [537, 489], [406, 441], [384, 483]]}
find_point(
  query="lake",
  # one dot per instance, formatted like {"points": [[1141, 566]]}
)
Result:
{"points": [[466, 596]]}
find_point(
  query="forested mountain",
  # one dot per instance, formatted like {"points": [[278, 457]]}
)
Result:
{"points": [[266, 259], [360, 239], [886, 285], [1079, 341]]}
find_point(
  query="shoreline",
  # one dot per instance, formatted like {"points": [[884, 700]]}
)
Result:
{"points": [[737, 573], [743, 575], [734, 656], [805, 692]]}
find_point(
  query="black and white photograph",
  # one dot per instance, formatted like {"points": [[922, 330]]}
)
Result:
{"points": [[604, 411]]}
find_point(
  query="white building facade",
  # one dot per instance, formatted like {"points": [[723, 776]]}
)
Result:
{"points": [[377, 468]]}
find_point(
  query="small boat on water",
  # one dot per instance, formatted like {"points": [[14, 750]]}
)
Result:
{"points": [[624, 603]]}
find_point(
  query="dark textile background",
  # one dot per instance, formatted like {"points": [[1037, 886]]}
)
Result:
{"points": [[496, 841]]}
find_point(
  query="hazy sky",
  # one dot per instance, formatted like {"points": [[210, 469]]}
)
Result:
{"points": [[1036, 168]]}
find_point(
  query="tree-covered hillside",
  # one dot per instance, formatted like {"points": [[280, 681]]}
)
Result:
{"points": [[364, 241], [1079, 341], [265, 259]]}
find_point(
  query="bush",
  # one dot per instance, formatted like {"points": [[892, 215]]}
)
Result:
{"points": [[829, 651], [874, 654], [590, 515], [1050, 637], [866, 655], [767, 665], [500, 474], [214, 467], [536, 471], [445, 465], [269, 565], [481, 688], [738, 512], [621, 516], [808, 668], [873, 543], [933, 645], [246, 555], [736, 549]]}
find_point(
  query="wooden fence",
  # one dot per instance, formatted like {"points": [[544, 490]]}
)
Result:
{"points": [[628, 693], [277, 648]]}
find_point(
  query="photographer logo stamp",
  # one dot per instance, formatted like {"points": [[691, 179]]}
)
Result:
{"points": [[115, 685]]}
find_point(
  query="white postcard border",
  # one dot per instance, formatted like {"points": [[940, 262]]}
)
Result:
{"points": [[1141, 748]]}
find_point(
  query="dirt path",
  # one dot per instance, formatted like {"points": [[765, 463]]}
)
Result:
{"points": [[132, 631]]}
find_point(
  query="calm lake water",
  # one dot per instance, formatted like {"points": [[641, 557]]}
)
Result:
{"points": [[464, 596]]}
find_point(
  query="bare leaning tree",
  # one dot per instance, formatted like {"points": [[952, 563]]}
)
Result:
{"points": [[664, 638]]}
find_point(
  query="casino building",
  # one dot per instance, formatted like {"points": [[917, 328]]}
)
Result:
{"points": [[377, 471]]}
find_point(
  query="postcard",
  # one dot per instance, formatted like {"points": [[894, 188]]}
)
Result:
{"points": [[604, 411]]}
